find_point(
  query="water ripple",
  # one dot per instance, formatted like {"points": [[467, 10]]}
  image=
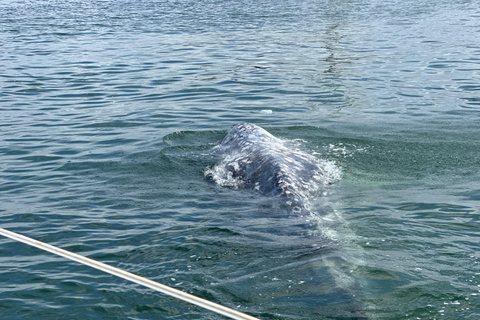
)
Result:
{"points": [[109, 113]]}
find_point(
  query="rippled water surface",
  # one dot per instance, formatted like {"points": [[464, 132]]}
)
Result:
{"points": [[109, 114]]}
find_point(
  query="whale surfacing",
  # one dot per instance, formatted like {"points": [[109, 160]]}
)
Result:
{"points": [[255, 159]]}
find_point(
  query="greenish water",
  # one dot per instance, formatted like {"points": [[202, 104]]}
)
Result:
{"points": [[109, 113]]}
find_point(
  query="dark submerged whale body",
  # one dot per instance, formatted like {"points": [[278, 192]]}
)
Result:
{"points": [[255, 159], [252, 158]]}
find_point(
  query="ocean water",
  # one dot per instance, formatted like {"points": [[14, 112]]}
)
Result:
{"points": [[110, 110]]}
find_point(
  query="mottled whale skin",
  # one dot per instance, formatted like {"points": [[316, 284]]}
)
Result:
{"points": [[257, 160]]}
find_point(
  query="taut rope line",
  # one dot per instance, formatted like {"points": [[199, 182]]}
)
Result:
{"points": [[233, 314]]}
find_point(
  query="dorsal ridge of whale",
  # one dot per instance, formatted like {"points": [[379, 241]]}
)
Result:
{"points": [[255, 159]]}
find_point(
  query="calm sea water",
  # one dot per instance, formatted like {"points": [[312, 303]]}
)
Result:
{"points": [[109, 113]]}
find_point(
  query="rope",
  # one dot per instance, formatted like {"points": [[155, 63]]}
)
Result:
{"points": [[233, 314]]}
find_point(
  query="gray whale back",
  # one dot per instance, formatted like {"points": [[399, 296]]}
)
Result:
{"points": [[255, 159], [252, 158]]}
